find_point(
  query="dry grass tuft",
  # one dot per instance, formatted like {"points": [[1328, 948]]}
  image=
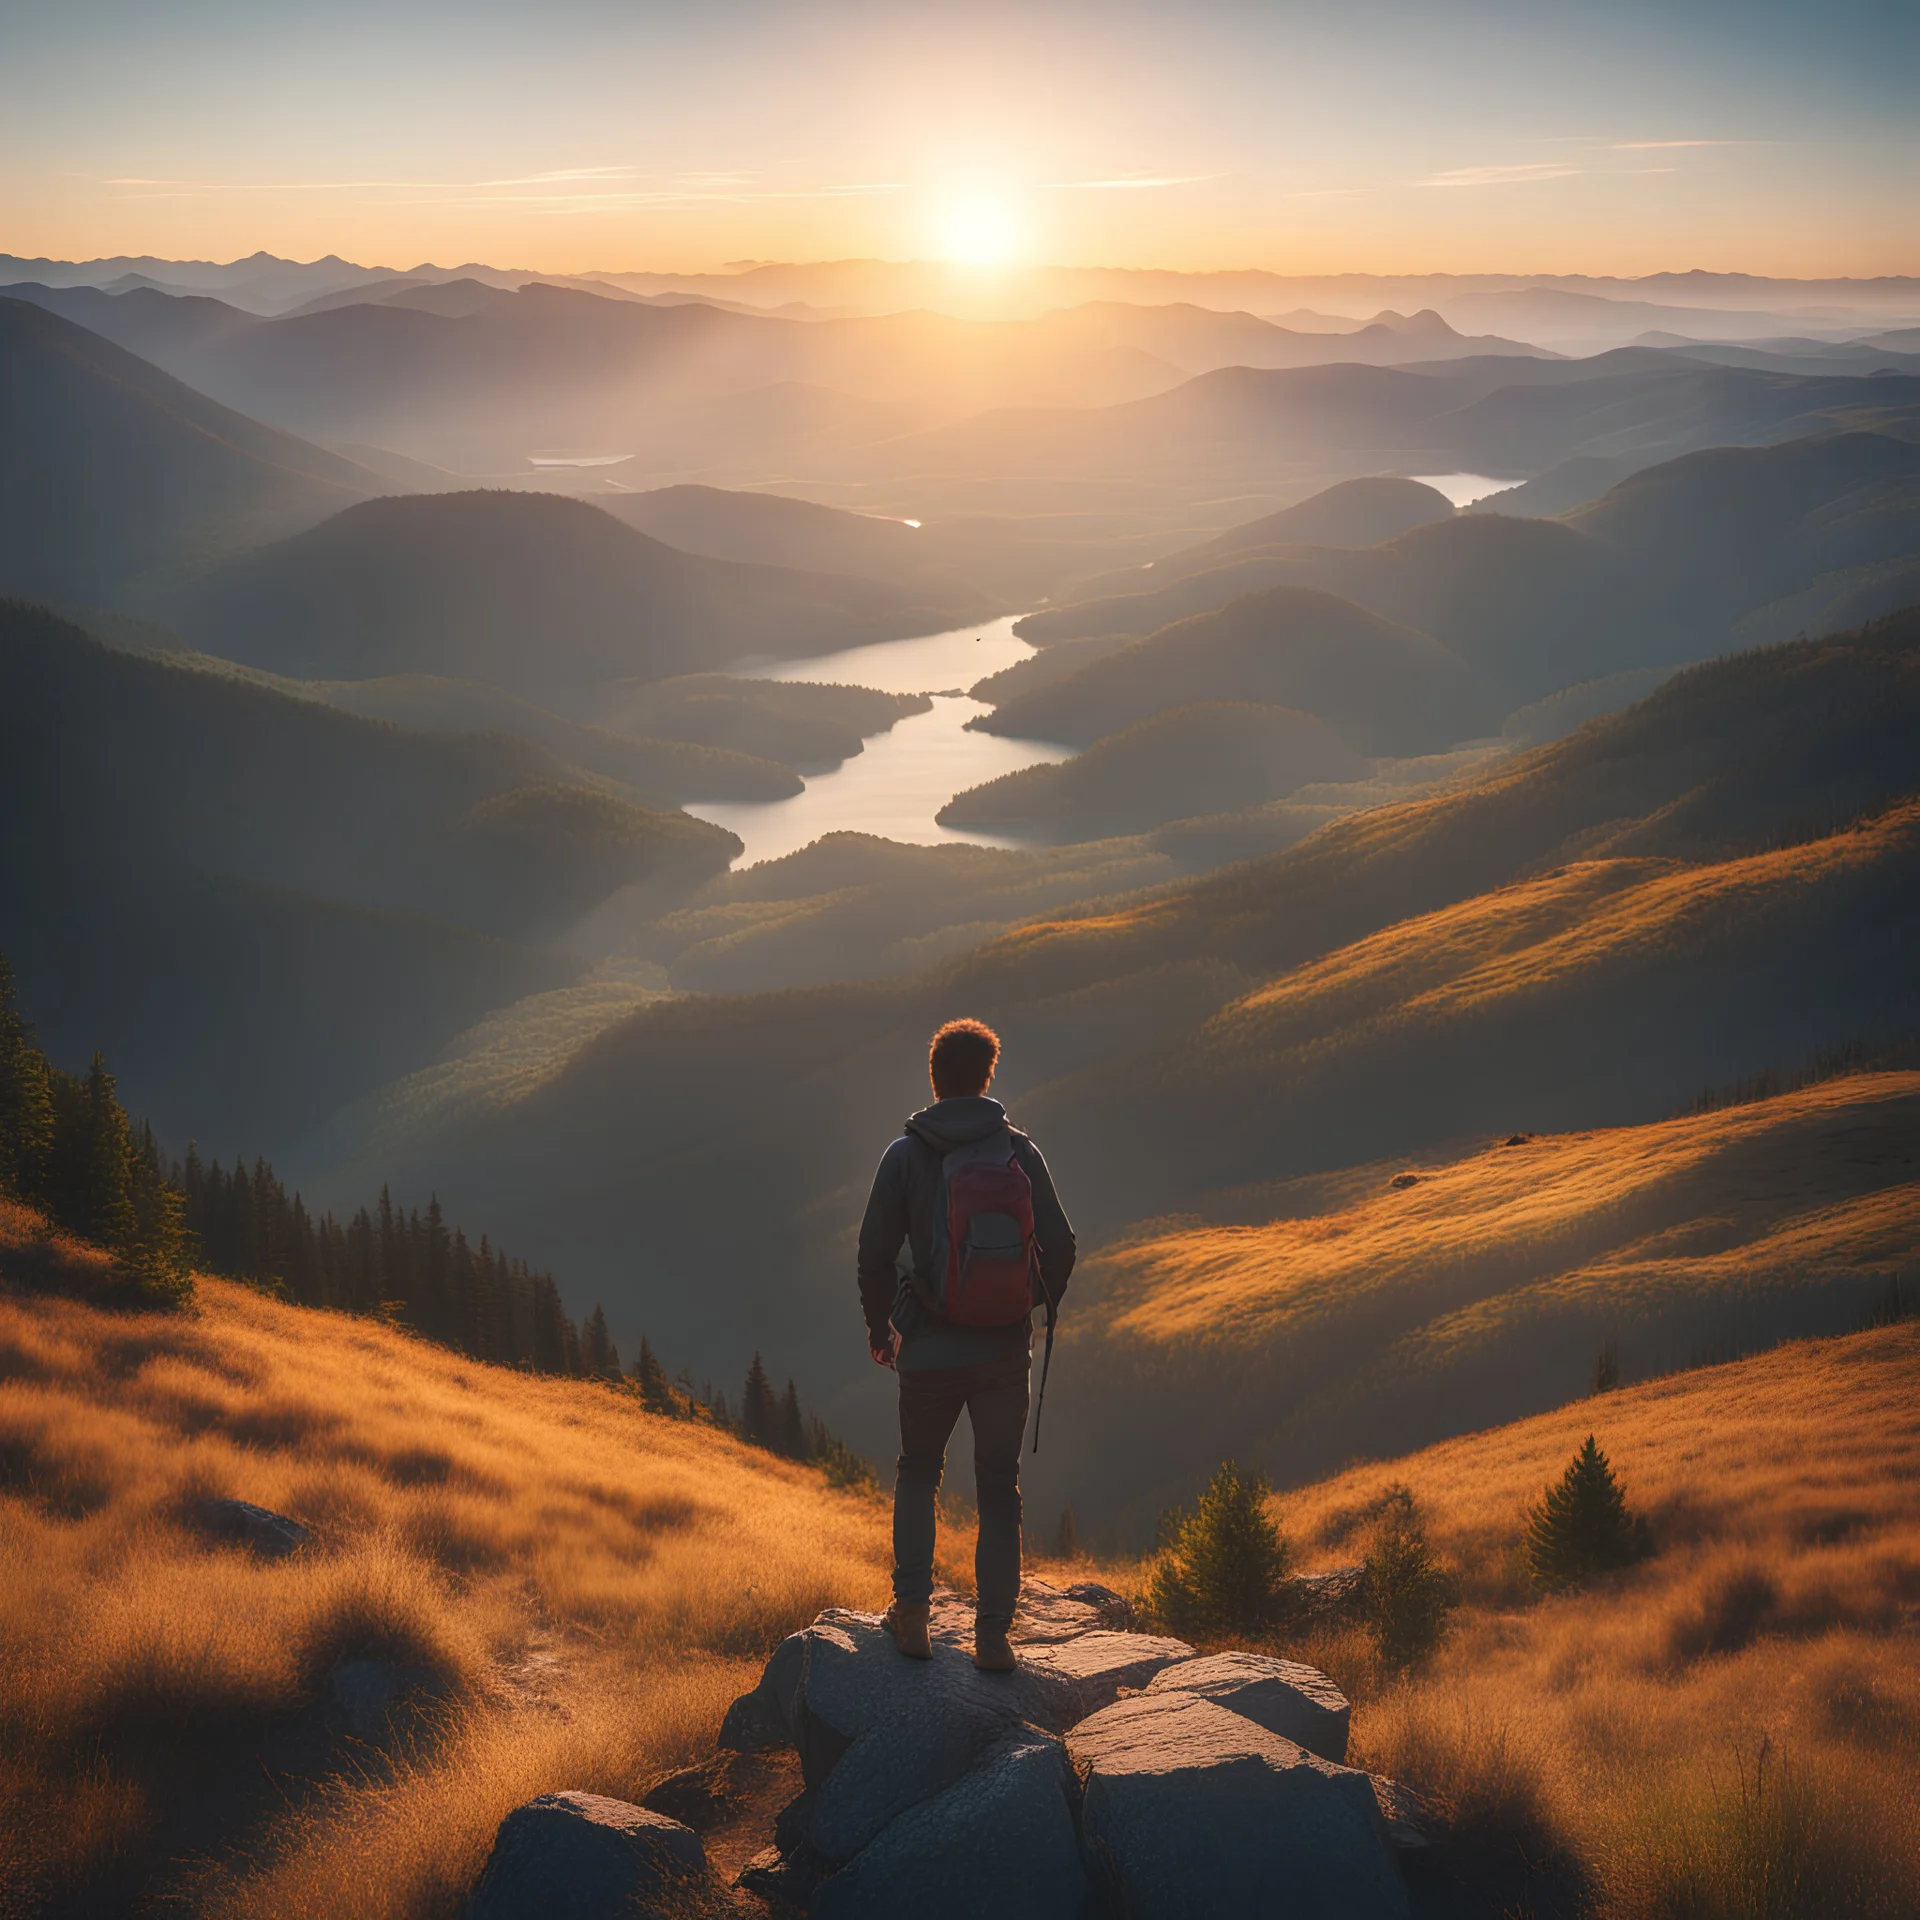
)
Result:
{"points": [[563, 1590]]}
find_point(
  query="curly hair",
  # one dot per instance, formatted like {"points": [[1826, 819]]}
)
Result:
{"points": [[962, 1057]]}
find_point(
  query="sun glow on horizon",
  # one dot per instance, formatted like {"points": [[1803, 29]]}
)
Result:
{"points": [[979, 229]]}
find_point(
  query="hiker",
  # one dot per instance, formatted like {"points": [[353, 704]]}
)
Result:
{"points": [[986, 1242]]}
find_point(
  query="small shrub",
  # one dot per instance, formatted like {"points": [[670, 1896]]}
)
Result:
{"points": [[1583, 1526], [843, 1467], [1224, 1566], [1410, 1594]]}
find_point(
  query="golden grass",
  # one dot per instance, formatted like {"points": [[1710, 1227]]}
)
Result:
{"points": [[1731, 1728], [572, 1588], [1815, 1181], [1527, 938]]}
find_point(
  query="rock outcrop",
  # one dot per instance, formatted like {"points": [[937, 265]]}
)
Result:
{"points": [[1112, 1769], [1297, 1702], [1190, 1809], [1000, 1840]]}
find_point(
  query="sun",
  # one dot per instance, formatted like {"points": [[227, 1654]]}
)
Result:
{"points": [[979, 230]]}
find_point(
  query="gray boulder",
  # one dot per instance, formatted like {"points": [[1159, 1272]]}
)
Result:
{"points": [[577, 1856], [1297, 1702], [1192, 1812], [272, 1536], [1098, 1665], [877, 1734], [1341, 1596], [1000, 1841]]}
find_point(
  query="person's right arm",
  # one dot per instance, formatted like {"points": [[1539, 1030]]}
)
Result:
{"points": [[883, 1231]]}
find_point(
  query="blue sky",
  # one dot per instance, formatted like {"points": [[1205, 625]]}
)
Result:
{"points": [[574, 134]]}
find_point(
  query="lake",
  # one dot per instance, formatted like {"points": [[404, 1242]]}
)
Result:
{"points": [[903, 777], [1463, 489]]}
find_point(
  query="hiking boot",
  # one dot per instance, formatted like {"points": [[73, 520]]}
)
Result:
{"points": [[907, 1622], [992, 1650]]}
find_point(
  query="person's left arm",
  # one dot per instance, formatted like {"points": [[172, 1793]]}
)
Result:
{"points": [[1052, 1231]]}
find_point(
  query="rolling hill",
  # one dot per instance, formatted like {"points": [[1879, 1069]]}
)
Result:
{"points": [[1215, 757], [539, 595], [775, 530], [319, 903], [1382, 1307], [1662, 568], [1385, 688], [116, 480]]}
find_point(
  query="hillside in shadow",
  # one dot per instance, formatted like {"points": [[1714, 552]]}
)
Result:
{"points": [[543, 596], [316, 901], [115, 478]]}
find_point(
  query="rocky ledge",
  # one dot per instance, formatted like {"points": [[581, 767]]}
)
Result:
{"points": [[1114, 1772]]}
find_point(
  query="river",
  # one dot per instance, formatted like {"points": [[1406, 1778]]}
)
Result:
{"points": [[904, 776]]}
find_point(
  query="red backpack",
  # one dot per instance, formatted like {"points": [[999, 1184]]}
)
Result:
{"points": [[985, 1271]]}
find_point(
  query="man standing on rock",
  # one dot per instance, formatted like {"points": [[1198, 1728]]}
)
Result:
{"points": [[987, 1242]]}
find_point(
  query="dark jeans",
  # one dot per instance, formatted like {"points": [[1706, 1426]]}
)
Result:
{"points": [[995, 1397]]}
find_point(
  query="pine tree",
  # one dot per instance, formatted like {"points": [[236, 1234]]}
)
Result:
{"points": [[651, 1379], [598, 1355], [26, 1104], [1224, 1567], [1582, 1526], [759, 1411], [94, 1197], [158, 1253], [793, 1426], [1409, 1593]]}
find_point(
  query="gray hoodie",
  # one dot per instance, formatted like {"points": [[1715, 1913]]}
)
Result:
{"points": [[900, 1213]]}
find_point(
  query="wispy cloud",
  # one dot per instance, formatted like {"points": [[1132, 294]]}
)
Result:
{"points": [[1513, 174], [1131, 180], [561, 190], [1642, 146]]}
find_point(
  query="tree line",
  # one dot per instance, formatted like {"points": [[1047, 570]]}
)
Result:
{"points": [[69, 1150]]}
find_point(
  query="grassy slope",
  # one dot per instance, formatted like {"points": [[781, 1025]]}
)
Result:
{"points": [[1730, 1729], [577, 1589], [1327, 1317]]}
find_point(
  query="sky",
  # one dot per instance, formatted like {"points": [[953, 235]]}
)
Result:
{"points": [[1373, 135]]}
